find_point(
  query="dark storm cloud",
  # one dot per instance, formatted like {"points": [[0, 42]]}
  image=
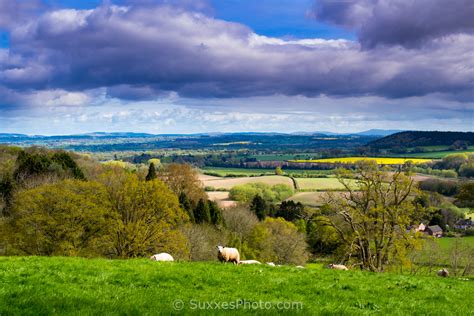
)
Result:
{"points": [[409, 23], [137, 52], [14, 12]]}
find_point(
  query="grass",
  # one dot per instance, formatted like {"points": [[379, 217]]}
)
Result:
{"points": [[434, 154], [320, 184], [447, 242], [229, 183], [55, 285], [224, 172], [284, 157], [309, 198], [378, 160]]}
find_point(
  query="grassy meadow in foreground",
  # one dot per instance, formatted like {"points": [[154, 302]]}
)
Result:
{"points": [[56, 285]]}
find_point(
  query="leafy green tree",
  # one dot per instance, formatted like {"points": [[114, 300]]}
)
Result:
{"points": [[68, 164], [215, 213], [278, 241], [7, 187], [246, 192], [151, 175], [467, 169], [372, 219], [69, 218], [453, 161], [148, 217], [446, 216], [183, 178], [259, 207], [41, 163], [278, 171], [239, 222], [291, 211], [31, 164], [465, 197], [202, 213], [321, 236], [186, 206]]}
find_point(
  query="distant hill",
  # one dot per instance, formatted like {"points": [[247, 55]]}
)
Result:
{"points": [[418, 138], [379, 132], [370, 132]]}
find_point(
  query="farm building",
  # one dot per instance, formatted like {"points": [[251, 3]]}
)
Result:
{"points": [[434, 231]]}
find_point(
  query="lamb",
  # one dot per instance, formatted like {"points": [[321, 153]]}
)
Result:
{"points": [[162, 257], [337, 266], [226, 254], [443, 273], [249, 262]]}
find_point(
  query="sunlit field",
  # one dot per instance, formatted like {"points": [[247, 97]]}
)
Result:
{"points": [[57, 285]]}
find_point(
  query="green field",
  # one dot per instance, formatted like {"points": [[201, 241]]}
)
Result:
{"points": [[283, 157], [320, 184], [447, 242], [55, 285], [219, 183], [353, 160], [223, 172], [309, 198], [433, 154]]}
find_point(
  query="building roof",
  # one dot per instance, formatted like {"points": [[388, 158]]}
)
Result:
{"points": [[435, 229]]}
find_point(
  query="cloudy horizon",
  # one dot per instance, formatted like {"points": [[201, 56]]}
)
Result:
{"points": [[162, 66]]}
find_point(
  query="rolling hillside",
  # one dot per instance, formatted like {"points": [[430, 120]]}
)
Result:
{"points": [[52, 285], [418, 138]]}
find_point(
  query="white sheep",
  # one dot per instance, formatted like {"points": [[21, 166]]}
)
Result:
{"points": [[249, 262], [162, 257], [338, 266], [299, 267], [271, 264], [226, 254], [443, 273]]}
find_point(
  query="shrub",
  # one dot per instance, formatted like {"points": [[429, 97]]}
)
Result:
{"points": [[278, 241], [246, 192], [467, 169], [444, 187]]}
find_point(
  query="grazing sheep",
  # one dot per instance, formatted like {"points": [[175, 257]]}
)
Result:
{"points": [[249, 262], [299, 267], [443, 273], [226, 254], [271, 264], [162, 257], [337, 266]]}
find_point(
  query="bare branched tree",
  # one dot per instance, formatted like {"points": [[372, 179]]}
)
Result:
{"points": [[372, 219]]}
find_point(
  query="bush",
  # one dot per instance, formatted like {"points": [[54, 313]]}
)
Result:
{"points": [[444, 187], [246, 192], [469, 232], [453, 161], [467, 169], [276, 240]]}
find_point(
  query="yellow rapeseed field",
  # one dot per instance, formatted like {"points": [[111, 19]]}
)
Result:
{"points": [[378, 160]]}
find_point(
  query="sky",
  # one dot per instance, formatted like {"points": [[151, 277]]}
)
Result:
{"points": [[193, 66]]}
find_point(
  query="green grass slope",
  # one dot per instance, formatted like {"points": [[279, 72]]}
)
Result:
{"points": [[41, 285]]}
